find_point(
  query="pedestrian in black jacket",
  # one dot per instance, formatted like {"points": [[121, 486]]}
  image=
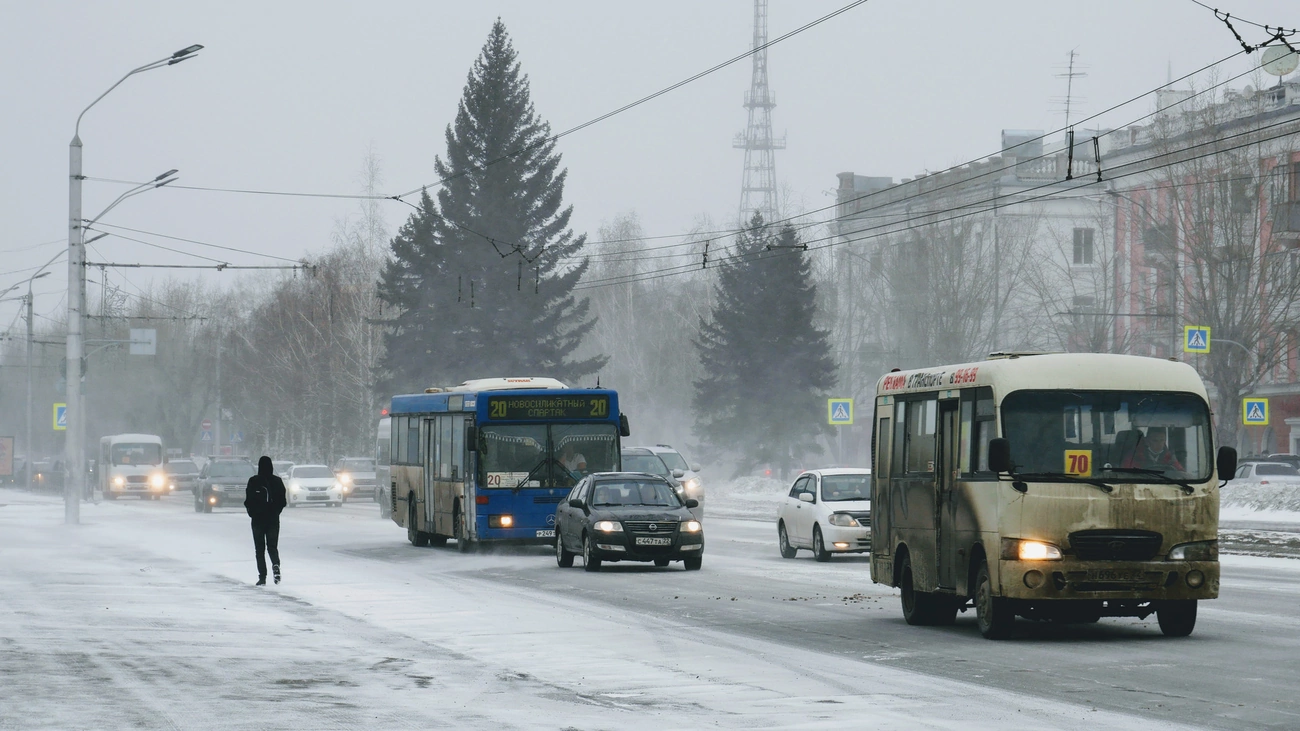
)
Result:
{"points": [[264, 499]]}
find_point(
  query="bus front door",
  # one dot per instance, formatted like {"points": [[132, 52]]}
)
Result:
{"points": [[947, 472]]}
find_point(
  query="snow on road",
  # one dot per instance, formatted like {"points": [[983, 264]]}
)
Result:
{"points": [[145, 617]]}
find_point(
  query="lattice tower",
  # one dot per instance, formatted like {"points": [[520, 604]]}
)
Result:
{"points": [[758, 188]]}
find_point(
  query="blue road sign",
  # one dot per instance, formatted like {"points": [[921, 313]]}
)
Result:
{"points": [[839, 411], [206, 436], [60, 417], [1196, 339], [237, 437], [1254, 411]]}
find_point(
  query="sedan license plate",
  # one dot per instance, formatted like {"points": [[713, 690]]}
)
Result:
{"points": [[1116, 575], [545, 534], [653, 541]]}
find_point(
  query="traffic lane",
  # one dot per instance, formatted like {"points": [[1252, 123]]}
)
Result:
{"points": [[1121, 664], [606, 669]]}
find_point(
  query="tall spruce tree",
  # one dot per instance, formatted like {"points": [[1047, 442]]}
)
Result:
{"points": [[482, 281], [768, 368]]}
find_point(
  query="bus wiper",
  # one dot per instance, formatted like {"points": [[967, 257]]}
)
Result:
{"points": [[1063, 477], [1187, 487]]}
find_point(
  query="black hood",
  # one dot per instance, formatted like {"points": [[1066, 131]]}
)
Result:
{"points": [[264, 467]]}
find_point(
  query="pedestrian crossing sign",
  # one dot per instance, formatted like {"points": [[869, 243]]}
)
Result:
{"points": [[839, 411], [1254, 411], [60, 417], [1196, 339]]}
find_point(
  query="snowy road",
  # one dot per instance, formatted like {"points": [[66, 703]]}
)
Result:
{"points": [[145, 617]]}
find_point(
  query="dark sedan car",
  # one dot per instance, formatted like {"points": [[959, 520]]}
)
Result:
{"points": [[627, 516]]}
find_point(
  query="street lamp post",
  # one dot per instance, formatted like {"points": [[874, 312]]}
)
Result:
{"points": [[27, 441], [74, 444]]}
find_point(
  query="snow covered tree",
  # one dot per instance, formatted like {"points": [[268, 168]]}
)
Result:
{"points": [[482, 280], [767, 367]]}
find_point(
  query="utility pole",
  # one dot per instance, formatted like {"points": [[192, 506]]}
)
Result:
{"points": [[27, 442], [216, 444]]}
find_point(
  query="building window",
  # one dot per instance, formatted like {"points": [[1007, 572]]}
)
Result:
{"points": [[1083, 246]]}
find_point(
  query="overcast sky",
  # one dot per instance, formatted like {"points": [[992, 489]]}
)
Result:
{"points": [[290, 95]]}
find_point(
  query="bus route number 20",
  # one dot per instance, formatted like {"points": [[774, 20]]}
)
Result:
{"points": [[599, 407], [1078, 462]]}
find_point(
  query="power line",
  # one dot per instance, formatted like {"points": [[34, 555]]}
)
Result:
{"points": [[648, 97], [1267, 28], [194, 241]]}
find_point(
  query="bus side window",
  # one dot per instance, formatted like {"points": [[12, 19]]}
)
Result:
{"points": [[412, 440], [400, 437], [881, 467], [444, 447], [919, 449], [900, 438], [985, 427], [457, 447], [964, 440]]}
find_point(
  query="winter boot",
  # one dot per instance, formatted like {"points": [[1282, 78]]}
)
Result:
{"points": [[276, 570], [261, 581]]}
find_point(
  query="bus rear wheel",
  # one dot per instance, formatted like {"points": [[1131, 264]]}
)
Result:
{"points": [[418, 538], [923, 608], [1177, 618], [993, 614]]}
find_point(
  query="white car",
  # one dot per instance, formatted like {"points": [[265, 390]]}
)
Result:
{"points": [[827, 511], [312, 483], [1264, 473], [685, 473]]}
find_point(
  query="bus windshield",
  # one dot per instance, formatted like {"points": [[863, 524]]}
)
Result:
{"points": [[544, 455], [1128, 436], [137, 454]]}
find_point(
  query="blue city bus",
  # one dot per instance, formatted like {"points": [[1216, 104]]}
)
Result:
{"points": [[487, 461]]}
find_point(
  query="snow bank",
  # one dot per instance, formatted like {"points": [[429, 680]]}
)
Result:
{"points": [[1273, 497], [750, 497]]}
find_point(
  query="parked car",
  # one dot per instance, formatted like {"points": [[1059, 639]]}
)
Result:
{"points": [[1291, 459], [182, 474], [357, 475], [827, 511], [222, 483], [313, 483], [627, 516], [1263, 473], [692, 485]]}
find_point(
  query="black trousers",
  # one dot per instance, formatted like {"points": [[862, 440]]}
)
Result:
{"points": [[266, 539]]}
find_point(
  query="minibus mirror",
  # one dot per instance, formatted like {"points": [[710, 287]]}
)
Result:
{"points": [[692, 502], [999, 455], [471, 437], [624, 430], [1227, 463]]}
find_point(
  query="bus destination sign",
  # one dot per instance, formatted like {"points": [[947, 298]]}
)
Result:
{"points": [[540, 408]]}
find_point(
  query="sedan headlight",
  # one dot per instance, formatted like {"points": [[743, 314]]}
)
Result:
{"points": [[608, 526], [843, 520], [1198, 551], [692, 526], [692, 484], [345, 478], [295, 486]]}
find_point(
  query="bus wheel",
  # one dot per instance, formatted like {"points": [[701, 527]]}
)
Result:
{"points": [[783, 540], [993, 614], [922, 608], [1177, 618], [462, 539], [418, 538]]}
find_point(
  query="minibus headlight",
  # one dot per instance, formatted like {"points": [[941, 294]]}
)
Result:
{"points": [[1198, 551], [157, 481], [608, 526], [1018, 550], [119, 480], [843, 520]]}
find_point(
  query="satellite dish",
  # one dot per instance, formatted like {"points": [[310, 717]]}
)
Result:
{"points": [[1280, 60]]}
